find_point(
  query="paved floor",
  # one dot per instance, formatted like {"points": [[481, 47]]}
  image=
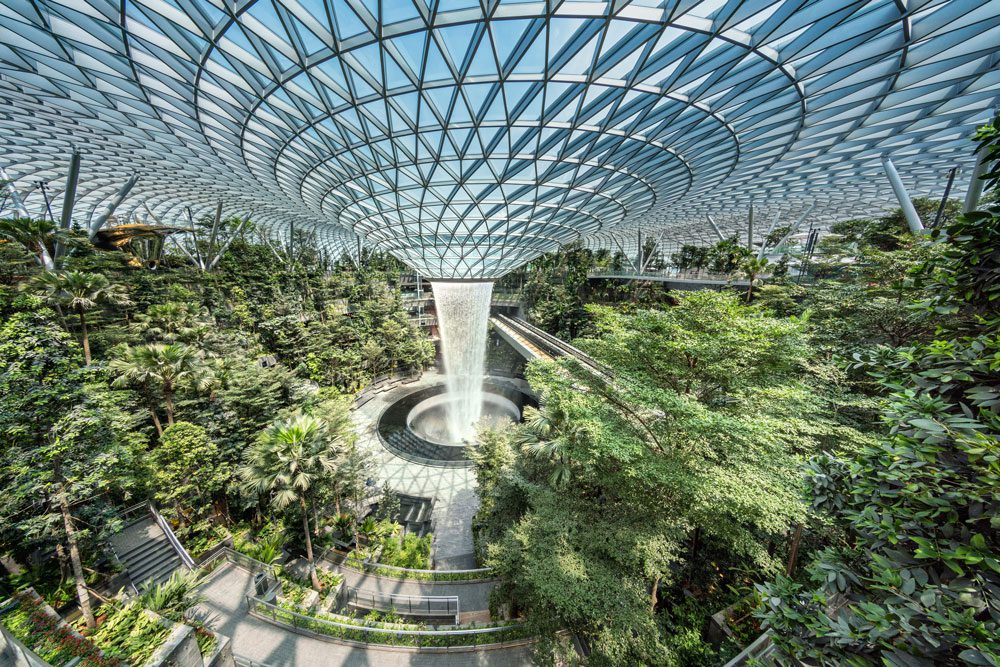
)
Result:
{"points": [[453, 489], [224, 609]]}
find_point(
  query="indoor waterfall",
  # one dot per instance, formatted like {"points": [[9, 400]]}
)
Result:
{"points": [[463, 309]]}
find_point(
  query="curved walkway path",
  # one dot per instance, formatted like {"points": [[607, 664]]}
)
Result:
{"points": [[225, 611]]}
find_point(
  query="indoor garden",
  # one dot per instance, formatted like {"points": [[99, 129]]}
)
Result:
{"points": [[643, 333]]}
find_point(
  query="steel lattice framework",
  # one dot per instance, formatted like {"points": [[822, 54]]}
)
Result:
{"points": [[467, 137]]}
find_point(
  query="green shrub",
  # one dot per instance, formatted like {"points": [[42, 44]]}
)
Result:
{"points": [[54, 643], [413, 552], [129, 633]]}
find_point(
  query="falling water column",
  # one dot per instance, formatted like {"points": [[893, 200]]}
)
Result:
{"points": [[463, 309]]}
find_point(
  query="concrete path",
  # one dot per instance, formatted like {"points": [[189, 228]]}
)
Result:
{"points": [[224, 609]]}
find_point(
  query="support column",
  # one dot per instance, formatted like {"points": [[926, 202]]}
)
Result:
{"points": [[638, 256], [795, 227], [909, 212], [750, 228], [69, 198], [944, 198], [715, 228], [69, 194], [976, 186], [96, 225], [15, 196]]}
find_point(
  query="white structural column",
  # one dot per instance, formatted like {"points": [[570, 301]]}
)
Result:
{"points": [[15, 197], [909, 212], [69, 194], [716, 229], [96, 225], [976, 185]]}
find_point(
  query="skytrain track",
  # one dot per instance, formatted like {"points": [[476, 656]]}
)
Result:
{"points": [[556, 347]]}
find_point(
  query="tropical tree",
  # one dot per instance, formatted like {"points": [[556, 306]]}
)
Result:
{"points": [[163, 366], [550, 434], [37, 236], [752, 268], [290, 461], [916, 581], [79, 292], [172, 322], [185, 469], [67, 445]]}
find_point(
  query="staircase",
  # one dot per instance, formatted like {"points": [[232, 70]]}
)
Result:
{"points": [[415, 514], [146, 552]]}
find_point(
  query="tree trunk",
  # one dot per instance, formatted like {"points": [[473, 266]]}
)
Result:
{"points": [[654, 597], [315, 511], [309, 544], [793, 552], [86, 338], [168, 399], [156, 420], [694, 552], [74, 555], [63, 562]]}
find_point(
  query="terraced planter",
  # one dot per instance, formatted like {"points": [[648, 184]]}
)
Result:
{"points": [[351, 630], [345, 560]]}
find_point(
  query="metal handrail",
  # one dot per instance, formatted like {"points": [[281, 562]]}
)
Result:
{"points": [[234, 556], [403, 604], [759, 648], [174, 542], [677, 274], [254, 603]]}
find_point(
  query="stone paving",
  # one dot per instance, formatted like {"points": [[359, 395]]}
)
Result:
{"points": [[225, 611]]}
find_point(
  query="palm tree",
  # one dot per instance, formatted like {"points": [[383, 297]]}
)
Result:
{"points": [[550, 434], [172, 322], [37, 236], [291, 458], [79, 291], [166, 366], [752, 267]]}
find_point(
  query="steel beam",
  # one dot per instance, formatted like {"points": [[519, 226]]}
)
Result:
{"points": [[944, 198], [905, 203], [794, 228]]}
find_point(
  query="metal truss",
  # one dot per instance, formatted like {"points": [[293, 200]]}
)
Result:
{"points": [[467, 137]]}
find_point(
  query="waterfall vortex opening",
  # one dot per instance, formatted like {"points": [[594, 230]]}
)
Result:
{"points": [[463, 309]]}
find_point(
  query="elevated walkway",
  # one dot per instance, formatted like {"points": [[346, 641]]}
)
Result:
{"points": [[534, 343], [679, 280], [519, 339]]}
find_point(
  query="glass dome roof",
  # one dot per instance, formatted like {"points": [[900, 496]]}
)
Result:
{"points": [[468, 137]]}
